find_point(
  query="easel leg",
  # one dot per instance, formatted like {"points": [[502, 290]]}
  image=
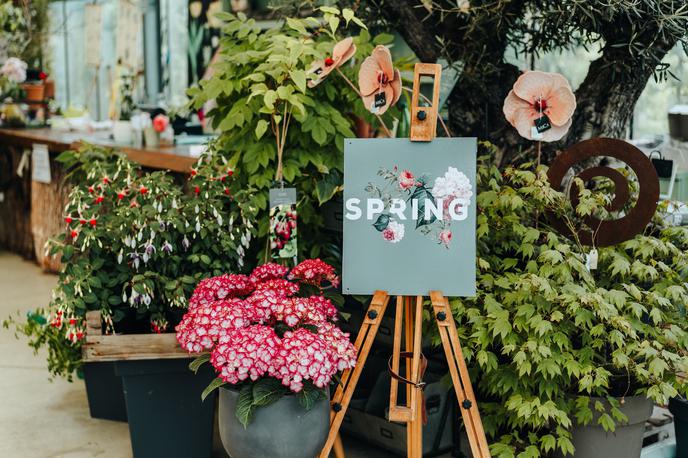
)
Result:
{"points": [[460, 377], [364, 340], [416, 425], [338, 448], [408, 334]]}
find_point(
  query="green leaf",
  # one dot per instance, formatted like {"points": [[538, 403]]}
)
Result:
{"points": [[299, 78], [198, 362], [421, 193], [266, 391], [329, 10], [348, 15], [328, 186], [334, 23], [382, 222], [310, 395], [212, 386], [383, 38], [261, 127], [244, 407]]}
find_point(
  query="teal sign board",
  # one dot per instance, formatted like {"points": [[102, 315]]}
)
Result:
{"points": [[409, 216]]}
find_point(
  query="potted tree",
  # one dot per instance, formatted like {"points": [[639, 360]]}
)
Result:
{"points": [[569, 358], [271, 339]]}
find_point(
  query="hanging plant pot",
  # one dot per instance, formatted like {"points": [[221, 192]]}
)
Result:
{"points": [[592, 441], [283, 429], [35, 92], [679, 409]]}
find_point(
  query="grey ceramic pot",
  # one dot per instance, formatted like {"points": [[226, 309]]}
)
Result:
{"points": [[626, 441], [280, 430]]}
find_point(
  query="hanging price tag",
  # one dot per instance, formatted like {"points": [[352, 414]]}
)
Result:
{"points": [[283, 217], [543, 124], [591, 260]]}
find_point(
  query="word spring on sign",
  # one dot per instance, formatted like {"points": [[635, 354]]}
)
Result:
{"points": [[456, 209]]}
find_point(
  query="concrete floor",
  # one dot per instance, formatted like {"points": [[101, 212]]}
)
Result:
{"points": [[40, 418]]}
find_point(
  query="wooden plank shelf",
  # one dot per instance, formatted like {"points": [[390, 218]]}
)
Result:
{"points": [[126, 347]]}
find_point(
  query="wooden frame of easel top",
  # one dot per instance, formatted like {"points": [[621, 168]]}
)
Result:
{"points": [[409, 311]]}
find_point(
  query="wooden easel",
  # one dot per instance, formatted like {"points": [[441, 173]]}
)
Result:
{"points": [[409, 310]]}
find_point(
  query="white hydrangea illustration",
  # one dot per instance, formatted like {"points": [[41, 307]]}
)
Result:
{"points": [[453, 184]]}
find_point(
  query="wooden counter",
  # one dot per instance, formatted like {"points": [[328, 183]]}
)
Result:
{"points": [[31, 212], [175, 158]]}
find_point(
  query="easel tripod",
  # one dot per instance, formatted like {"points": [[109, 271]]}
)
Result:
{"points": [[409, 311]]}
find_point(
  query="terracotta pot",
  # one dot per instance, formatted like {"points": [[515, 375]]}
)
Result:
{"points": [[35, 92], [49, 89]]}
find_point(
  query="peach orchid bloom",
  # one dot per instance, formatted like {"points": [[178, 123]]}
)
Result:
{"points": [[536, 94], [342, 51], [378, 81]]}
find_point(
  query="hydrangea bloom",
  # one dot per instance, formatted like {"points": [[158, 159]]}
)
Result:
{"points": [[201, 328], [394, 232], [246, 352], [314, 310], [452, 185], [217, 288], [343, 351], [261, 303], [303, 356], [279, 285], [314, 272], [269, 271]]}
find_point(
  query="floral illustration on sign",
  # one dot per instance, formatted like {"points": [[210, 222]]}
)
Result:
{"points": [[283, 231], [432, 206]]}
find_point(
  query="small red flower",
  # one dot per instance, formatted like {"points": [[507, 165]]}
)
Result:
{"points": [[230, 172], [197, 190], [82, 221], [68, 220], [99, 199], [74, 234], [227, 191], [329, 61], [106, 180], [193, 172], [42, 76], [72, 321], [93, 222], [223, 178], [120, 195], [133, 204], [90, 189], [143, 190]]}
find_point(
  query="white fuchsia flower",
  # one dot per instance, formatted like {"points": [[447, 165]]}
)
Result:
{"points": [[394, 232], [245, 353], [14, 69]]}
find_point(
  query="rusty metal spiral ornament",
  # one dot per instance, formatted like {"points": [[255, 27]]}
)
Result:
{"points": [[608, 232]]}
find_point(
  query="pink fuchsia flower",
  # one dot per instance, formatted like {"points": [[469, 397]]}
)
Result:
{"points": [[160, 123], [445, 237], [342, 52], [245, 353], [269, 271], [406, 180], [378, 81], [201, 328], [314, 272], [394, 232], [536, 94], [303, 356], [343, 352]]}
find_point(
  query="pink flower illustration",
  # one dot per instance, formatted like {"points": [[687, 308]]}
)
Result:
{"points": [[394, 232], [445, 237], [406, 180]]}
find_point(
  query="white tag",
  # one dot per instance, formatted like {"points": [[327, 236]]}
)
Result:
{"points": [[591, 260], [41, 163], [535, 134], [197, 150]]}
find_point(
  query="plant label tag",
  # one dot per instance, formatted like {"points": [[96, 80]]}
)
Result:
{"points": [[535, 134], [41, 163], [543, 124], [283, 218], [380, 101], [591, 260]]}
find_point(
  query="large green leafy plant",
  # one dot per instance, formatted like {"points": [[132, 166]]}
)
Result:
{"points": [[134, 246], [273, 129], [550, 340]]}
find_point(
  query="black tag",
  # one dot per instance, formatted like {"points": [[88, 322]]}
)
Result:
{"points": [[542, 124], [380, 100], [318, 71]]}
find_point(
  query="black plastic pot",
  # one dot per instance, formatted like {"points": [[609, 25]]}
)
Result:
{"points": [[679, 409], [166, 415], [104, 391]]}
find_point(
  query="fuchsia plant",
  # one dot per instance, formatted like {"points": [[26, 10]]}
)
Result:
{"points": [[274, 327]]}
